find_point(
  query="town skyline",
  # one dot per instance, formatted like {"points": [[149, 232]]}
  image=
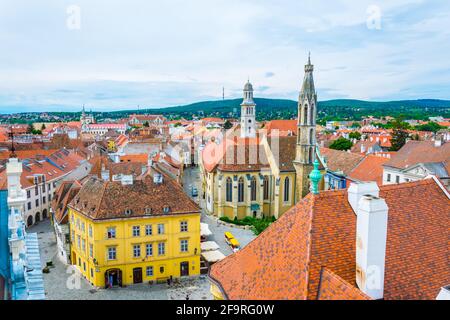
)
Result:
{"points": [[114, 58]]}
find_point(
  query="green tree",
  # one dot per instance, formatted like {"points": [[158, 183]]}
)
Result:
{"points": [[227, 125], [430, 127], [341, 144], [399, 134], [355, 135]]}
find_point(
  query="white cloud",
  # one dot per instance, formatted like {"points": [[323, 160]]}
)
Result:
{"points": [[203, 45]]}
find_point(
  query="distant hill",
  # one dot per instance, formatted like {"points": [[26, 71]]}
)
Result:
{"points": [[285, 109]]}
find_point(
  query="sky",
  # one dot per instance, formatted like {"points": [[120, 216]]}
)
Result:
{"points": [[116, 55]]}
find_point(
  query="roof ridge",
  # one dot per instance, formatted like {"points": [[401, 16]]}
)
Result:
{"points": [[310, 238]]}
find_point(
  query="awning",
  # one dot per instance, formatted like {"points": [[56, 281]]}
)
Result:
{"points": [[204, 230], [213, 256], [209, 246]]}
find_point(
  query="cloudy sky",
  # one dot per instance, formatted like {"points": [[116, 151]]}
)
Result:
{"points": [[113, 54]]}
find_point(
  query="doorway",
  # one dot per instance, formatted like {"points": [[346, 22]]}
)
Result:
{"points": [[113, 278], [137, 275], [184, 269]]}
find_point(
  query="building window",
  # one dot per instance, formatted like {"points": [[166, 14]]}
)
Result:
{"points": [[397, 179], [184, 245], [37, 202], [253, 189], [286, 189], [388, 177], [49, 197], [136, 231], [112, 253], [161, 270], [137, 250], [28, 194], [229, 190], [78, 241], [183, 226], [111, 233], [43, 188], [83, 227], [149, 249], [241, 190], [36, 190], [91, 250], [148, 230], [92, 273], [149, 271], [266, 188], [83, 244], [29, 205], [161, 248], [90, 231], [161, 228]]}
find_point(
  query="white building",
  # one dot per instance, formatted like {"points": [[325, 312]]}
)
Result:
{"points": [[248, 113]]}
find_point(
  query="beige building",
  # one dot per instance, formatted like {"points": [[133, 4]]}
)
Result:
{"points": [[250, 174]]}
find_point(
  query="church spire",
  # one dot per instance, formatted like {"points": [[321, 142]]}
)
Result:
{"points": [[248, 116], [306, 132]]}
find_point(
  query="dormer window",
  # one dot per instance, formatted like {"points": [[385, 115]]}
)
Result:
{"points": [[128, 212], [166, 209], [148, 210]]}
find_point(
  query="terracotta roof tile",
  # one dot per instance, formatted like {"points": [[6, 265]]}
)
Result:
{"points": [[341, 161], [286, 260], [369, 169], [100, 199], [414, 152], [333, 287]]}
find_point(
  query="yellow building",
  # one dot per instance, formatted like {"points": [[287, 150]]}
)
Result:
{"points": [[130, 232], [249, 176]]}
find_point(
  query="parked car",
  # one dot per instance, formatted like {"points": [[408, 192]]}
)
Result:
{"points": [[232, 241]]}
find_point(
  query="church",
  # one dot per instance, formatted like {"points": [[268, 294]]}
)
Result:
{"points": [[252, 174]]}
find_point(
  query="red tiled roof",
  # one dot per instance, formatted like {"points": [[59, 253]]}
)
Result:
{"points": [[141, 158], [338, 161], [369, 169], [286, 260], [27, 154], [414, 152], [283, 126], [333, 287]]}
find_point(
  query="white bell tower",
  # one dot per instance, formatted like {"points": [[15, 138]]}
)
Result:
{"points": [[248, 113]]}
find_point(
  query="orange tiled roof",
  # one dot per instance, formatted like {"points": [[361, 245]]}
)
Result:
{"points": [[286, 260], [100, 199], [333, 287], [338, 161], [369, 169], [414, 152], [141, 158], [282, 126], [27, 154]]}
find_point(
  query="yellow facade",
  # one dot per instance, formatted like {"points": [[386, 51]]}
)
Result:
{"points": [[270, 204], [102, 258]]}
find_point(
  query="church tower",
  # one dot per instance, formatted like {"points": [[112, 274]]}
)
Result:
{"points": [[248, 108], [306, 132]]}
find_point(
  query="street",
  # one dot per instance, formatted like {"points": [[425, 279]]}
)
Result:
{"points": [[192, 178]]}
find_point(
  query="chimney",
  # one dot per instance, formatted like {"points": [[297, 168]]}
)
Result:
{"points": [[357, 190], [438, 141], [444, 294], [371, 234]]}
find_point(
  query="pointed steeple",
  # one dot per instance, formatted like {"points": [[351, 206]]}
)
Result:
{"points": [[308, 87]]}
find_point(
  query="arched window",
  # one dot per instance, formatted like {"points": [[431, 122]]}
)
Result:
{"points": [[311, 115], [311, 136], [253, 189], [266, 188], [229, 190], [286, 189], [241, 190], [305, 114]]}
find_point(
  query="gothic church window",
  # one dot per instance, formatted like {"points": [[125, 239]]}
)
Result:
{"points": [[241, 190], [253, 189], [229, 190]]}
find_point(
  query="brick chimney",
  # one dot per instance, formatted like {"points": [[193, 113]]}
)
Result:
{"points": [[371, 234]]}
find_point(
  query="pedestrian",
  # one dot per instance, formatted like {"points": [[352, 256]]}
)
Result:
{"points": [[187, 297]]}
